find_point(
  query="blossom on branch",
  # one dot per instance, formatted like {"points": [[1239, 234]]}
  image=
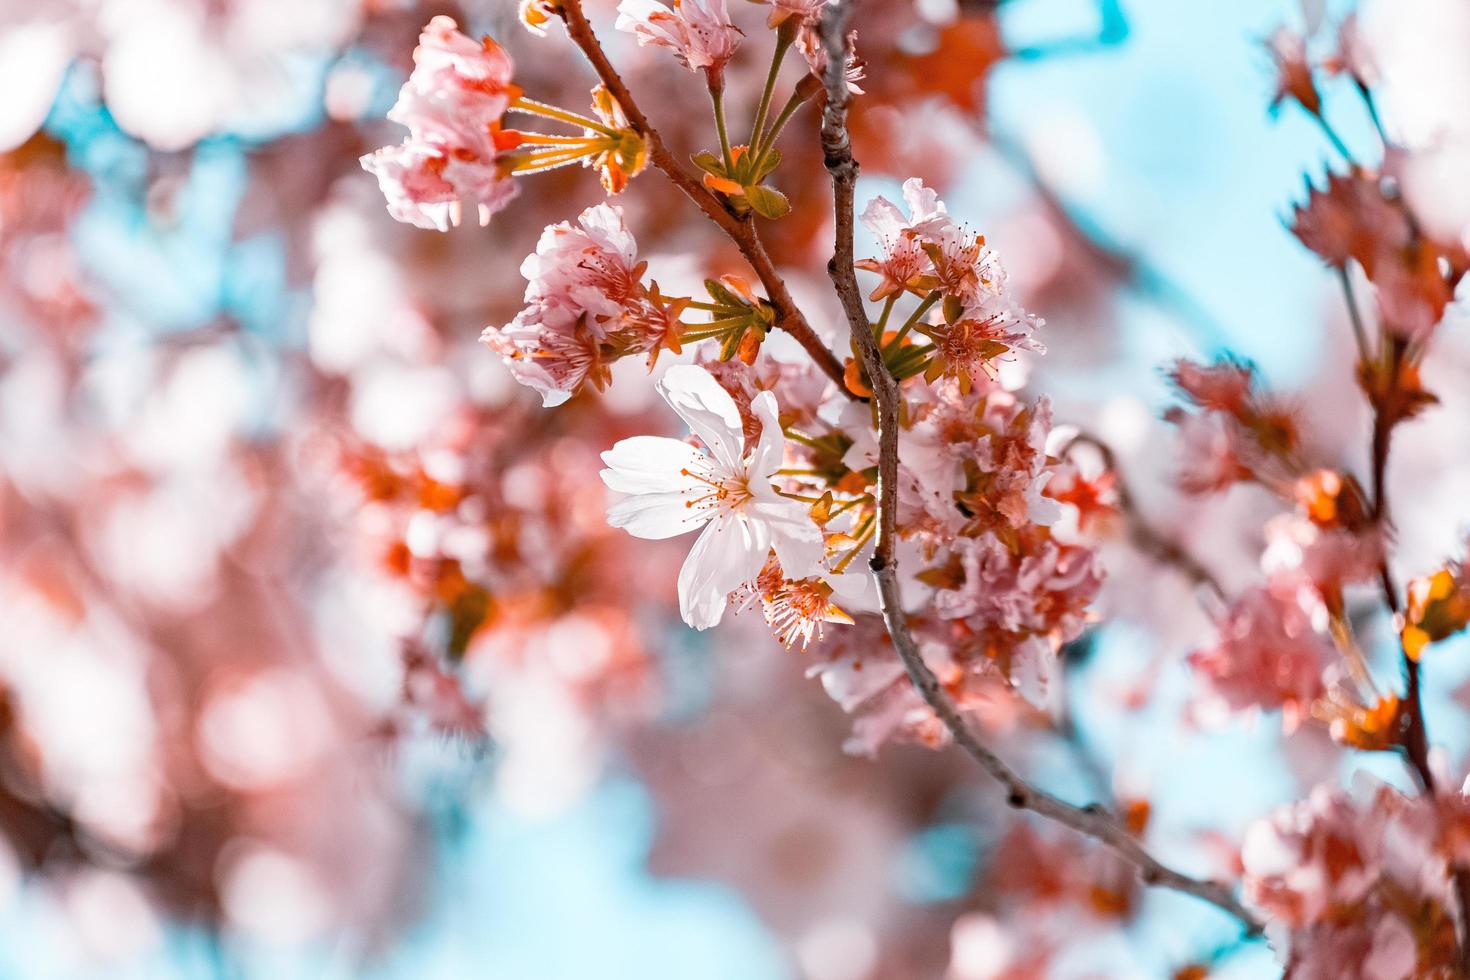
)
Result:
{"points": [[586, 306], [903, 259], [1362, 886], [452, 104], [699, 32], [1267, 654], [673, 488]]}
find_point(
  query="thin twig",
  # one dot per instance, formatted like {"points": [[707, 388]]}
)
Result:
{"points": [[741, 231], [1413, 735], [1413, 732], [1094, 821]]}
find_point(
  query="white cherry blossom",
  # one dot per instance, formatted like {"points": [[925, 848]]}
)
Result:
{"points": [[673, 488]]}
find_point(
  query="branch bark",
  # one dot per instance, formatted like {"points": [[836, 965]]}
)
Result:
{"points": [[741, 231], [1413, 733], [1093, 820]]}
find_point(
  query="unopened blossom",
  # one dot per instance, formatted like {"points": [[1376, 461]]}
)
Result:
{"points": [[535, 14], [1267, 654], [1438, 607], [452, 104], [699, 32], [586, 306], [626, 155], [673, 488], [1288, 50]]}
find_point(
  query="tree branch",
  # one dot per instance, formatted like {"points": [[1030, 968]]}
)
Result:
{"points": [[741, 231], [1413, 733], [1094, 821]]}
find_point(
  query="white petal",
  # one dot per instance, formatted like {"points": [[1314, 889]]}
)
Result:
{"points": [[651, 464], [605, 225], [1033, 663], [728, 554], [794, 535], [656, 515], [883, 218], [924, 203], [770, 451], [708, 410]]}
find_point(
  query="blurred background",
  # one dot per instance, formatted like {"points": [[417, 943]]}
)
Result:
{"points": [[316, 657]]}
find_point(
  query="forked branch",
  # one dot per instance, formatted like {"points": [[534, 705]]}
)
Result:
{"points": [[741, 230], [1093, 820]]}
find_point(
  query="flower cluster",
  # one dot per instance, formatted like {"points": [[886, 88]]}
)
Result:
{"points": [[1268, 655], [927, 254], [699, 32], [1235, 433], [586, 306], [452, 104], [905, 513], [1287, 645], [1362, 886], [458, 152]]}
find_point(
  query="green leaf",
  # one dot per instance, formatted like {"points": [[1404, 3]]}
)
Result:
{"points": [[770, 163], [767, 202], [731, 343], [710, 162], [723, 296]]}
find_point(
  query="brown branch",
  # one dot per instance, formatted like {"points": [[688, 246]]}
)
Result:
{"points": [[742, 231], [1093, 820], [1413, 732]]}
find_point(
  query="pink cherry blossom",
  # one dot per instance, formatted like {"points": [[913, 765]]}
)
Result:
{"points": [[1022, 607], [699, 32], [1224, 386], [902, 258], [586, 306], [1267, 654], [452, 105], [1358, 882], [1310, 857], [1044, 592], [804, 10], [428, 188], [1213, 456]]}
